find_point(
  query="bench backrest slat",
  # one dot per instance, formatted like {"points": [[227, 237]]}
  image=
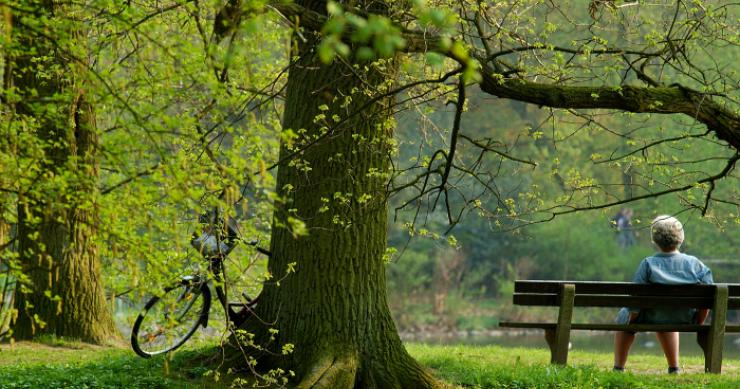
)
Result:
{"points": [[551, 299], [622, 288], [623, 294]]}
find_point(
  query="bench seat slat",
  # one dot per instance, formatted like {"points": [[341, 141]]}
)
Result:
{"points": [[615, 301], [622, 327], [592, 287]]}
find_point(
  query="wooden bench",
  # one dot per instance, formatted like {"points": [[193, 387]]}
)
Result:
{"points": [[569, 294]]}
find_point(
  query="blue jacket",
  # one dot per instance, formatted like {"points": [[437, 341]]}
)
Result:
{"points": [[671, 269]]}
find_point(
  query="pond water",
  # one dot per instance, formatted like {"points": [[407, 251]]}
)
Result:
{"points": [[580, 340]]}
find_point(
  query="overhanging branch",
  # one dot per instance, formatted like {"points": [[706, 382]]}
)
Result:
{"points": [[663, 100], [674, 99]]}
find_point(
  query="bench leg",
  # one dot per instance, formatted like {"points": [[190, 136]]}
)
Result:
{"points": [[716, 334], [558, 353], [560, 336], [550, 339], [702, 337]]}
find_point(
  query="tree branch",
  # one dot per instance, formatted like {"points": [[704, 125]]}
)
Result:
{"points": [[459, 107], [140, 174], [722, 174], [664, 100], [487, 147], [651, 144]]}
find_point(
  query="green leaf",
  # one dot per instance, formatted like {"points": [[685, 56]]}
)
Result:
{"points": [[334, 8], [459, 51], [434, 60], [365, 53], [334, 26]]}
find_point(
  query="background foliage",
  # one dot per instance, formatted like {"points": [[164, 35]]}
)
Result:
{"points": [[176, 129]]}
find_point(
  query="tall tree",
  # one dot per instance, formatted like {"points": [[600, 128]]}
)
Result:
{"points": [[345, 336], [334, 308], [57, 211]]}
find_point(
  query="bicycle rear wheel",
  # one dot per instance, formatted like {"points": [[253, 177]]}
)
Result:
{"points": [[169, 320]]}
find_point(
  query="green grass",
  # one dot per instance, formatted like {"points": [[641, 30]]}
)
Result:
{"points": [[500, 367], [62, 364]]}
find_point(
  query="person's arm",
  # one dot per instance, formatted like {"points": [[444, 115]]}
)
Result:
{"points": [[705, 277], [642, 274], [705, 274]]}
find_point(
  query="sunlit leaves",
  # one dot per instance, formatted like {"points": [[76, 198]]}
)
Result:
{"points": [[374, 37]]}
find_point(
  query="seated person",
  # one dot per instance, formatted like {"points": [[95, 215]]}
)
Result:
{"points": [[668, 266]]}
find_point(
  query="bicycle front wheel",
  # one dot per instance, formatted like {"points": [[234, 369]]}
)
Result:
{"points": [[169, 320]]}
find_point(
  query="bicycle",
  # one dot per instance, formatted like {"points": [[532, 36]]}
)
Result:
{"points": [[169, 320]]}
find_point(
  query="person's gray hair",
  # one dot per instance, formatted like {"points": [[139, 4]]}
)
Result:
{"points": [[667, 232]]}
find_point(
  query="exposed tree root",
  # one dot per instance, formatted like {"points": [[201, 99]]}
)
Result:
{"points": [[331, 372], [350, 371]]}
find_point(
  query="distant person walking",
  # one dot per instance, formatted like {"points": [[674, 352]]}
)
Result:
{"points": [[668, 266], [622, 221]]}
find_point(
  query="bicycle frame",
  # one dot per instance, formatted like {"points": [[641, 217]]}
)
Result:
{"points": [[215, 269]]}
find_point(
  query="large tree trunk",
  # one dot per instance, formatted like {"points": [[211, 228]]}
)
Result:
{"points": [[57, 213], [334, 308]]}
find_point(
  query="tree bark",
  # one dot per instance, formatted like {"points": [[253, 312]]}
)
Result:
{"points": [[334, 307], [664, 100], [57, 213]]}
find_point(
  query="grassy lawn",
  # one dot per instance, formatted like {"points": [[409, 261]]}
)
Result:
{"points": [[498, 367], [56, 364], [59, 364]]}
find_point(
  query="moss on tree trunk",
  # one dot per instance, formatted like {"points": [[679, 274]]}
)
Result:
{"points": [[57, 215]]}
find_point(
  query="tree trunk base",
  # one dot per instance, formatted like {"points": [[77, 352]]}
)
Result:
{"points": [[348, 370], [331, 371], [334, 368]]}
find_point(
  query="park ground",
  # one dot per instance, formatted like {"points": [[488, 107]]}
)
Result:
{"points": [[56, 363]]}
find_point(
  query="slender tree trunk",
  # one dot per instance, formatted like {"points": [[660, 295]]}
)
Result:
{"points": [[57, 212], [6, 286], [334, 308]]}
